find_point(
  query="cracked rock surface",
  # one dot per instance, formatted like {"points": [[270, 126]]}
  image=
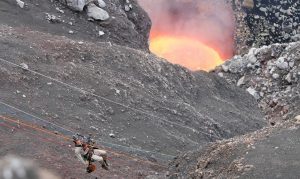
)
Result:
{"points": [[271, 74], [265, 22]]}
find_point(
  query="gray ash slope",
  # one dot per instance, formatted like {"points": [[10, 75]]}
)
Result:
{"points": [[268, 153], [190, 109], [203, 105], [127, 28]]}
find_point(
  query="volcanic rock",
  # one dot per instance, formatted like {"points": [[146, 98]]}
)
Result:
{"points": [[241, 81], [253, 92], [20, 3], [96, 12], [127, 8], [262, 154], [297, 119], [101, 33], [101, 3], [52, 18], [277, 77], [24, 66], [112, 135], [76, 5], [282, 64], [261, 22]]}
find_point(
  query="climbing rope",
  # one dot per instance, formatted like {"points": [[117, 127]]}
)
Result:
{"points": [[60, 127], [57, 135], [117, 103]]}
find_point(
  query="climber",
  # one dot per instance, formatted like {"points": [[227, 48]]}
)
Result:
{"points": [[88, 154], [91, 142]]}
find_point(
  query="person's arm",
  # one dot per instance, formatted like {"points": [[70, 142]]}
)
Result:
{"points": [[85, 151]]}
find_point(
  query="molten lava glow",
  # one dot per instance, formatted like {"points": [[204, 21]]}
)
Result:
{"points": [[184, 51], [196, 34]]}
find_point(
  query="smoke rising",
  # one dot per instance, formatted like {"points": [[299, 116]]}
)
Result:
{"points": [[209, 21]]}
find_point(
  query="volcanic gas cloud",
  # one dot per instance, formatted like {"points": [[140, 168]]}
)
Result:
{"points": [[197, 34]]}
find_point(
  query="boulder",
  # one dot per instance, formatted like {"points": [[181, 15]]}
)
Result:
{"points": [[253, 92], [96, 12], [297, 119], [241, 81], [101, 3], [21, 3], [76, 5], [24, 66], [282, 64]]}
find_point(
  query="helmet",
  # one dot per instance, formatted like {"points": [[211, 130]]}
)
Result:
{"points": [[91, 168], [74, 137], [91, 142]]}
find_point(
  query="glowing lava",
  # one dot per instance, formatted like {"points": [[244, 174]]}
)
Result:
{"points": [[184, 51], [196, 34]]}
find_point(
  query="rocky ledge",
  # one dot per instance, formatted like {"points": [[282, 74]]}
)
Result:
{"points": [[271, 74]]}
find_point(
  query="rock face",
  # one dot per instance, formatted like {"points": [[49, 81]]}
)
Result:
{"points": [[271, 74], [264, 154], [165, 108], [262, 22], [126, 28]]}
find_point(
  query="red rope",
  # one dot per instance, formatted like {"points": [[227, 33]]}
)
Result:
{"points": [[9, 119]]}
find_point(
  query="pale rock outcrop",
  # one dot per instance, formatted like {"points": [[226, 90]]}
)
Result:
{"points": [[96, 12], [76, 5]]}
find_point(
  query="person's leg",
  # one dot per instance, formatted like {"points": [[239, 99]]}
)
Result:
{"points": [[103, 154], [79, 156], [100, 160]]}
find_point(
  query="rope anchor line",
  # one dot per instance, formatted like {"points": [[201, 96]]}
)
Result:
{"points": [[8, 119], [72, 132], [114, 102]]}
